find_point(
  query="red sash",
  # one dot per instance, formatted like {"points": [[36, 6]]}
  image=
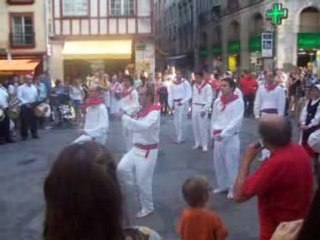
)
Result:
{"points": [[225, 100], [144, 112]]}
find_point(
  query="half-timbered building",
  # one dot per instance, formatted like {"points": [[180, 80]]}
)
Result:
{"points": [[109, 35]]}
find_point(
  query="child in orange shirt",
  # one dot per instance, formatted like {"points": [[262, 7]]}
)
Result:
{"points": [[197, 222]]}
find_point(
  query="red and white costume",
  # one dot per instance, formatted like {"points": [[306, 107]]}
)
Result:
{"points": [[116, 93], [201, 103], [179, 95], [129, 103], [226, 122], [142, 157]]}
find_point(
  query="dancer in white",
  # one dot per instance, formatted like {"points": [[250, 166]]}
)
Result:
{"points": [[96, 119], [270, 99], [129, 104], [179, 95], [141, 159], [116, 93], [201, 103], [226, 121]]}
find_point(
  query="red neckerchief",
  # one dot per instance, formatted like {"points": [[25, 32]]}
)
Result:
{"points": [[127, 93], [203, 84], [270, 87], [92, 102], [225, 100], [145, 111]]}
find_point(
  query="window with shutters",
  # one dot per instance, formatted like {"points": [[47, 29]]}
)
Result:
{"points": [[22, 30]]}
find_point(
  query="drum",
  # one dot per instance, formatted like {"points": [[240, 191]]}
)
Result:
{"points": [[42, 110], [14, 112], [2, 116]]}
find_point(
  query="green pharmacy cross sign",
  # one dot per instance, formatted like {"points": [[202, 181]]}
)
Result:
{"points": [[277, 13]]}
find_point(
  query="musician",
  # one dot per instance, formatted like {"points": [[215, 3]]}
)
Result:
{"points": [[28, 95], [4, 118]]}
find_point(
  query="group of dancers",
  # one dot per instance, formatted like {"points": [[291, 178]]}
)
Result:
{"points": [[140, 117]]}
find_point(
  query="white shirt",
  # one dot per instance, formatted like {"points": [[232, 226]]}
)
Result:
{"points": [[130, 103], [203, 96], [228, 120], [97, 121], [4, 98], [13, 88], [274, 99], [76, 93], [179, 91], [27, 94], [316, 120], [145, 130]]}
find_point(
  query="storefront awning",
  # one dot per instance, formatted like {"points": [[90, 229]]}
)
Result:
{"points": [[107, 49], [18, 66]]}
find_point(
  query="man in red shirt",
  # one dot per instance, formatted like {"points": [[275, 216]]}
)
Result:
{"points": [[283, 183], [248, 85]]}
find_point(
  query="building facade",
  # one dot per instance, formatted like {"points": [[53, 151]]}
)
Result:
{"points": [[235, 36], [23, 35], [109, 35], [228, 33]]}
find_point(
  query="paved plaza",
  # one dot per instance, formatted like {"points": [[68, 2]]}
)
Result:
{"points": [[24, 166]]}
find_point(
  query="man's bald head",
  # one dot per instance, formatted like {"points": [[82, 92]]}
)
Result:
{"points": [[275, 131]]}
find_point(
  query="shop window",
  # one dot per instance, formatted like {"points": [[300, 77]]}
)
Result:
{"points": [[18, 2], [122, 7], [22, 31]]}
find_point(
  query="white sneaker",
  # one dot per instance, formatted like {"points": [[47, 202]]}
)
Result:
{"points": [[205, 149], [143, 213], [219, 190], [230, 194], [196, 146]]}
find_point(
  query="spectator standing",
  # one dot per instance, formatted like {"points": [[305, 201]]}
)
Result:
{"points": [[4, 117], [248, 85], [46, 80], [283, 183], [196, 221], [77, 97], [28, 96]]}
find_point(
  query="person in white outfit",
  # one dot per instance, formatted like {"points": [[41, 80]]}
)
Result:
{"points": [[201, 103], [116, 93], [270, 99], [96, 118], [226, 121], [130, 105], [179, 95], [141, 159]]}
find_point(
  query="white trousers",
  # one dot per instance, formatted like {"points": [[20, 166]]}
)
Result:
{"points": [[200, 126], [226, 158], [180, 117], [135, 161], [115, 105], [86, 138], [128, 137]]}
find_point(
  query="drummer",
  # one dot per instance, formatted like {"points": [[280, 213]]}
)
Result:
{"points": [[4, 118], [28, 96]]}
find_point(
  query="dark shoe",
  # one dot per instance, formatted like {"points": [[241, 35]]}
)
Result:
{"points": [[24, 138], [9, 140], [2, 142], [35, 137]]}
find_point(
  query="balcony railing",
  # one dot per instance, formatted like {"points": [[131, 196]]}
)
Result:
{"points": [[26, 40]]}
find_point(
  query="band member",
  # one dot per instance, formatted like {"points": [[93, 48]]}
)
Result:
{"points": [[116, 93], [270, 99], [201, 102], [178, 98], [141, 159], [28, 95], [225, 126], [129, 104], [96, 118], [4, 118], [310, 118]]}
